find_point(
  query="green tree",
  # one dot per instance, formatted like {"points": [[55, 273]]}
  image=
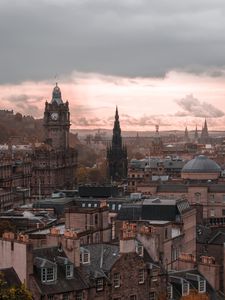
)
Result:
{"points": [[13, 293]]}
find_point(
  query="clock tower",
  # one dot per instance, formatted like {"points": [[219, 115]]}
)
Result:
{"points": [[57, 121]]}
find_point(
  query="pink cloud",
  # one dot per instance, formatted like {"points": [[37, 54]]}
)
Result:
{"points": [[142, 102]]}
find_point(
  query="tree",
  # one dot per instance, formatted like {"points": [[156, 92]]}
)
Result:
{"points": [[13, 293]]}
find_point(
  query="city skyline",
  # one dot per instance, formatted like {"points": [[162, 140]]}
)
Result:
{"points": [[162, 64]]}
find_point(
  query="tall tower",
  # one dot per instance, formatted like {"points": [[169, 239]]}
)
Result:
{"points": [[117, 153], [57, 121], [205, 134], [54, 166], [196, 134], [186, 135]]}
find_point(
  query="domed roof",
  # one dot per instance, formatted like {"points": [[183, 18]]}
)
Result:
{"points": [[201, 164], [56, 95]]}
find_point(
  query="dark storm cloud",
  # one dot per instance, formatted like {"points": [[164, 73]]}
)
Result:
{"points": [[124, 38], [195, 108], [25, 103]]}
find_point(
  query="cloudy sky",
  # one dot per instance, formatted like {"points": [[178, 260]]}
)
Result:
{"points": [[161, 61]]}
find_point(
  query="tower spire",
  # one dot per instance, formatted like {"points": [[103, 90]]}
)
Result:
{"points": [[117, 153]]}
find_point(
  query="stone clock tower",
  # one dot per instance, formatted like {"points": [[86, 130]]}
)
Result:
{"points": [[57, 121], [54, 161]]}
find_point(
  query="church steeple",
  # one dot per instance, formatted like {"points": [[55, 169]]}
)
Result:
{"points": [[205, 133], [186, 135], [196, 133], [117, 153], [117, 139]]}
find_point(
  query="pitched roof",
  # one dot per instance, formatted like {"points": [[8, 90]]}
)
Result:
{"points": [[62, 284]]}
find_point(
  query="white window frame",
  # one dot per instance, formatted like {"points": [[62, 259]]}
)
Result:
{"points": [[84, 256], [99, 284], [141, 276], [140, 249], [48, 274], [116, 280], [170, 291], [201, 286], [185, 288], [69, 271]]}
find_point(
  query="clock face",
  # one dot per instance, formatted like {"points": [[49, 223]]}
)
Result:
{"points": [[54, 116]]}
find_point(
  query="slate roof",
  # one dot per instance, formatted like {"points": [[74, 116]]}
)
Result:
{"points": [[153, 209], [62, 284], [201, 164], [188, 275], [102, 258]]}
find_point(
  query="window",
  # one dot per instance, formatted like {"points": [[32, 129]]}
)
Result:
{"points": [[99, 284], [202, 286], [166, 233], [139, 249], [170, 291], [89, 204], [185, 288], [79, 295], [116, 280], [48, 274], [152, 296], [212, 212], [197, 197], [66, 296], [133, 297], [141, 276], [69, 271], [50, 297], [175, 254], [84, 256], [223, 212], [212, 198]]}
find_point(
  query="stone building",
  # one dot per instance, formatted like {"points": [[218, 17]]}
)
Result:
{"points": [[201, 184], [15, 179], [117, 154], [55, 162]]}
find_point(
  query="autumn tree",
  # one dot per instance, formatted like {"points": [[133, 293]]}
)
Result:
{"points": [[13, 293]]}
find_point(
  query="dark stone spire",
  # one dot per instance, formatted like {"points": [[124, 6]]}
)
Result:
{"points": [[196, 134], [186, 135], [205, 134], [117, 153], [117, 139]]}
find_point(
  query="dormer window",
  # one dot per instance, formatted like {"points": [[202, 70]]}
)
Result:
{"points": [[139, 249], [99, 284], [202, 286], [48, 274], [84, 256], [69, 271]]}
